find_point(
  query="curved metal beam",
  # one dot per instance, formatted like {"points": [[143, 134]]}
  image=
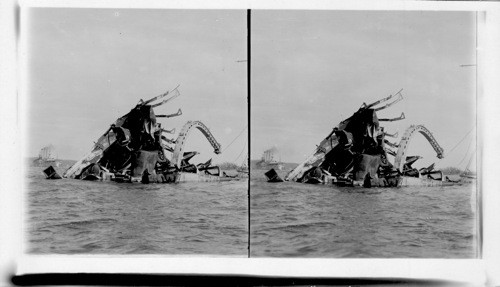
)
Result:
{"points": [[325, 146], [400, 159], [182, 138]]}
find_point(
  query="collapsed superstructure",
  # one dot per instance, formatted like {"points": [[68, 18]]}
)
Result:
{"points": [[356, 152], [136, 148]]}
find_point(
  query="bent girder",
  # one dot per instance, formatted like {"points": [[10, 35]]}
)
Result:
{"points": [[360, 127], [177, 155], [102, 143], [316, 158], [105, 141], [400, 159]]}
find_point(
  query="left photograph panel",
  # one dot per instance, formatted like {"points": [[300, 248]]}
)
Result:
{"points": [[135, 131]]}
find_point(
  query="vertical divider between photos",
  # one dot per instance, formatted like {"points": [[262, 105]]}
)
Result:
{"points": [[249, 29]]}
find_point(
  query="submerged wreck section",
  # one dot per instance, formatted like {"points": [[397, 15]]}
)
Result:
{"points": [[357, 153], [137, 148]]}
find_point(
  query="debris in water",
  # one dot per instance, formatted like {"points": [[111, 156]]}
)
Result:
{"points": [[51, 173], [272, 176]]}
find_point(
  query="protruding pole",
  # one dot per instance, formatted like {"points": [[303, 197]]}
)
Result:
{"points": [[380, 101], [157, 97], [175, 95], [168, 140], [393, 145], [394, 135], [179, 112], [401, 117], [391, 152], [399, 98], [154, 98]]}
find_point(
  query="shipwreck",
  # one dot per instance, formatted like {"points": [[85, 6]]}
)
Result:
{"points": [[137, 148], [357, 152]]}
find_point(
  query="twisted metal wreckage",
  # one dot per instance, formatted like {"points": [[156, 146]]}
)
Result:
{"points": [[135, 149], [356, 153]]}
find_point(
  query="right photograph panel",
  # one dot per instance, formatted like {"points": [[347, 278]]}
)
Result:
{"points": [[363, 134]]}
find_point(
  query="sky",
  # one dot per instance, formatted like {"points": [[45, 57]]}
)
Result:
{"points": [[87, 67], [312, 69]]}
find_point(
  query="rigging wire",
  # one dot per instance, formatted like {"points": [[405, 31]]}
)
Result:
{"points": [[241, 152], [470, 161], [235, 139], [465, 155], [461, 141]]}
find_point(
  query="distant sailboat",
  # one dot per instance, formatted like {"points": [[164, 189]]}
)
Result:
{"points": [[467, 172], [243, 168], [47, 156]]}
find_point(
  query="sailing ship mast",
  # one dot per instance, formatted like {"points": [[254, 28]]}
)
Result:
{"points": [[46, 153], [467, 172]]}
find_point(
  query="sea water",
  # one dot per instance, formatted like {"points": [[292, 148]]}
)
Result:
{"points": [[303, 220], [84, 217], [286, 219]]}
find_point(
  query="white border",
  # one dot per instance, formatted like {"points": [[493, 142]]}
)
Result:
{"points": [[478, 272], [489, 132], [10, 203], [269, 4]]}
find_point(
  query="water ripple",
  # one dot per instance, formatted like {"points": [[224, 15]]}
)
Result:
{"points": [[300, 220], [70, 216]]}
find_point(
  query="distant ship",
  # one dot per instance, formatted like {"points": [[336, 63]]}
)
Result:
{"points": [[46, 156], [271, 159]]}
